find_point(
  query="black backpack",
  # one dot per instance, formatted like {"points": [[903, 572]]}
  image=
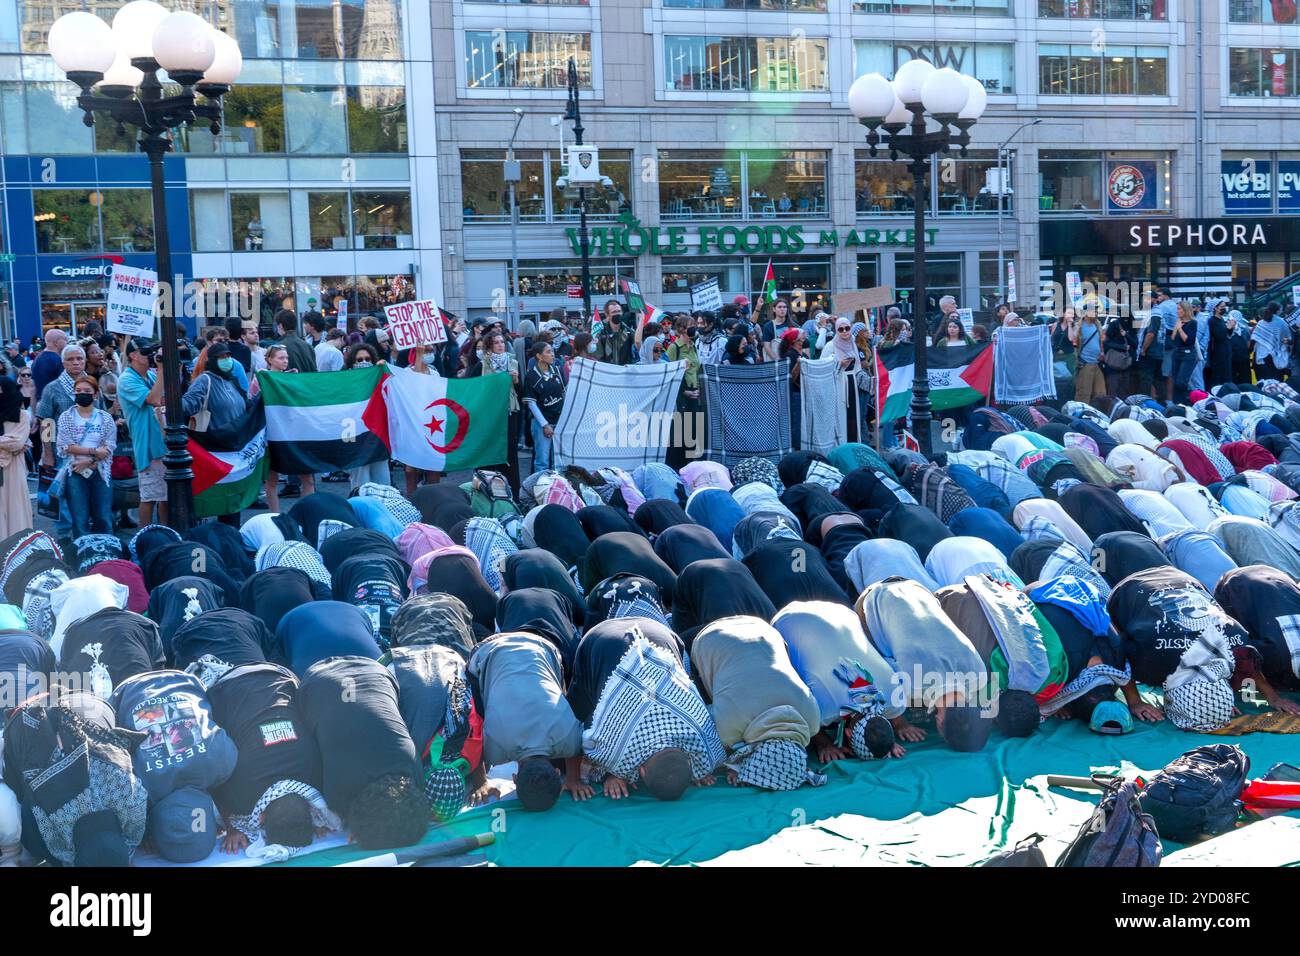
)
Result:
{"points": [[1118, 833], [1197, 796], [1025, 853]]}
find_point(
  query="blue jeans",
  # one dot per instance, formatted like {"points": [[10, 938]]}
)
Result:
{"points": [[541, 448], [63, 523], [90, 503]]}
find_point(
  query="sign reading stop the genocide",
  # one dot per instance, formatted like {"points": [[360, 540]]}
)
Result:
{"points": [[415, 323]]}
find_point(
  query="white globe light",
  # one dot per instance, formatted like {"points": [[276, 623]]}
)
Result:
{"points": [[944, 93], [121, 73], [976, 99], [227, 63], [899, 114], [81, 43], [871, 97], [910, 78], [133, 27], [183, 43]]}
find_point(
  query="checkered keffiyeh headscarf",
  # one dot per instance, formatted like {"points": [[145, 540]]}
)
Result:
{"points": [[773, 765], [828, 476], [446, 777], [294, 554], [1201, 705], [94, 548], [1039, 528], [649, 705], [639, 605], [757, 469], [491, 545], [392, 500], [250, 824]]}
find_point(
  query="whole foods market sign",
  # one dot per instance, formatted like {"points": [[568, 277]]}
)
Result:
{"points": [[628, 237]]}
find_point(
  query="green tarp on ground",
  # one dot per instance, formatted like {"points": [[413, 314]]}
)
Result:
{"points": [[934, 807]]}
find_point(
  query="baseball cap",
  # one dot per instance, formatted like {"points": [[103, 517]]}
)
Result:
{"points": [[147, 349], [740, 300], [1111, 717], [183, 825]]}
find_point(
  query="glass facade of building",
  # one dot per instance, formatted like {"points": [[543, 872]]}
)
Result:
{"points": [[313, 156]]}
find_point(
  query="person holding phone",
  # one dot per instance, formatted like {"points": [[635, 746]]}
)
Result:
{"points": [[140, 393]]}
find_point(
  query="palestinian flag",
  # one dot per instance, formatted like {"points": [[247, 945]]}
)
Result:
{"points": [[958, 376], [314, 420], [441, 424], [769, 284], [229, 464], [651, 313]]}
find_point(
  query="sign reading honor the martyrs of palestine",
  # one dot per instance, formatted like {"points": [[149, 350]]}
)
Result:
{"points": [[132, 299], [1011, 282], [706, 297], [415, 323]]}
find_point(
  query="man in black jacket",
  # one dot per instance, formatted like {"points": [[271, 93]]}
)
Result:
{"points": [[301, 356]]}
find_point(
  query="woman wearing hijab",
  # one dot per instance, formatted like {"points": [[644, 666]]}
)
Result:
{"points": [[274, 592], [1121, 553], [541, 612], [652, 350], [867, 489], [738, 351], [759, 526], [15, 502], [625, 595], [988, 525], [226, 541], [597, 520], [1098, 510], [788, 571], [657, 515], [419, 539], [880, 558], [712, 589], [682, 545], [810, 502], [355, 542], [1245, 455], [268, 528], [953, 559], [184, 558], [312, 510], [442, 504], [757, 469], [716, 510], [456, 571], [621, 551], [535, 568], [557, 530], [129, 576], [917, 525]]}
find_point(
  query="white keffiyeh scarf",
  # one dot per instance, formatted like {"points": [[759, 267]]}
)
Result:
{"points": [[773, 765], [250, 825]]}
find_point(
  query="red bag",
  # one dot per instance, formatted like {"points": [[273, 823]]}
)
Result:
{"points": [[123, 467]]}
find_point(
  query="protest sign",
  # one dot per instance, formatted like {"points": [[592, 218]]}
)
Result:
{"points": [[706, 297], [132, 301], [1011, 282], [415, 323], [967, 317], [343, 315], [877, 297]]}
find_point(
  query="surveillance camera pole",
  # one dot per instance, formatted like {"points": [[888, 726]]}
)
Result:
{"points": [[574, 113]]}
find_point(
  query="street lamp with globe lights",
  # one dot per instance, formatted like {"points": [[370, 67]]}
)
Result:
{"points": [[117, 70], [901, 108]]}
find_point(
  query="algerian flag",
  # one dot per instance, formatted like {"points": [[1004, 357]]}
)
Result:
{"points": [[227, 482], [769, 283], [314, 419], [441, 424], [958, 376]]}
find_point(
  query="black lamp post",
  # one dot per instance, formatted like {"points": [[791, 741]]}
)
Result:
{"points": [[918, 93], [117, 71], [572, 111]]}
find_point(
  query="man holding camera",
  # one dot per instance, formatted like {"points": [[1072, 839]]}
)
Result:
{"points": [[140, 392]]}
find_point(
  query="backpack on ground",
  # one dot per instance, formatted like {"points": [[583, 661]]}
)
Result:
{"points": [[1199, 794], [490, 496], [1024, 853], [1118, 834]]}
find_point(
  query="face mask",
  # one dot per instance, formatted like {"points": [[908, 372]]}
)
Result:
{"points": [[428, 357], [363, 363], [84, 400], [225, 364]]}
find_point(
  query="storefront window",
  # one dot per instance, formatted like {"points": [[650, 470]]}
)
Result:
{"points": [[810, 275], [552, 278], [1103, 9], [868, 272], [993, 64], [327, 221], [260, 220], [1069, 183], [67, 220], [796, 6], [377, 119], [1081, 70], [522, 60], [942, 276], [964, 8], [1263, 73], [763, 64], [680, 273], [382, 220], [969, 186], [881, 187], [1260, 11], [127, 220], [316, 120], [699, 185], [786, 184], [485, 197]]}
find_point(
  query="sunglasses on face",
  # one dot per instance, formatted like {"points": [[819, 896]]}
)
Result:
{"points": [[841, 328]]}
